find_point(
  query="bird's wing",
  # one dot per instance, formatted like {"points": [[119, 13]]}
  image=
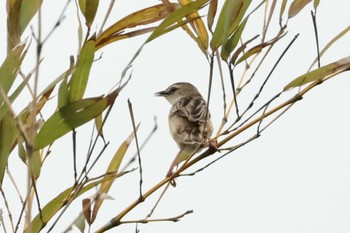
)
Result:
{"points": [[193, 108]]}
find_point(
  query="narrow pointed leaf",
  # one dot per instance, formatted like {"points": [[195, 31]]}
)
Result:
{"points": [[70, 117], [283, 8], [142, 17], [8, 132], [87, 210], [89, 9], [233, 41], [213, 7], [230, 17], [80, 76], [35, 165], [4, 108], [51, 208], [321, 73], [316, 3], [296, 7], [171, 22], [27, 11], [112, 169], [10, 67], [13, 30], [99, 125], [198, 25]]}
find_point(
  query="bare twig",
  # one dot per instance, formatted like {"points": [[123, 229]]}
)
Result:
{"points": [[137, 146], [172, 219], [133, 158], [158, 201], [314, 21], [8, 211]]}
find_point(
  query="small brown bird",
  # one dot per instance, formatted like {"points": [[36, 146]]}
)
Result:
{"points": [[189, 119]]}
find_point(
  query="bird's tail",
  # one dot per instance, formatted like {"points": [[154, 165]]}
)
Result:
{"points": [[184, 153]]}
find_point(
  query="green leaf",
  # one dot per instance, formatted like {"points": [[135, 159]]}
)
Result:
{"points": [[233, 40], [35, 165], [4, 108], [10, 67], [316, 3], [70, 117], [321, 73], [8, 133], [80, 77], [230, 16], [89, 9], [112, 170], [51, 208], [63, 97], [27, 11]]}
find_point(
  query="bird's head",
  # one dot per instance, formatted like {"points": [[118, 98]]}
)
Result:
{"points": [[177, 91]]}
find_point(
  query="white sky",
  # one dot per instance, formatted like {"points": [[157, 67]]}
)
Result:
{"points": [[294, 178]]}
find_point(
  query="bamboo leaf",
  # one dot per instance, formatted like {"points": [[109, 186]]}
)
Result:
{"points": [[99, 125], [27, 11], [230, 17], [321, 73], [4, 108], [8, 133], [233, 40], [198, 26], [35, 164], [283, 8], [316, 3], [51, 208], [257, 49], [80, 77], [296, 7], [174, 19], [213, 7], [10, 67], [70, 117], [142, 17], [88, 9], [112, 170]]}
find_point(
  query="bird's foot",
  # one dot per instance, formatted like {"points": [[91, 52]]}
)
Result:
{"points": [[213, 146]]}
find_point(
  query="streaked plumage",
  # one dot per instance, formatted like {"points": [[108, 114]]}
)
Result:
{"points": [[189, 119]]}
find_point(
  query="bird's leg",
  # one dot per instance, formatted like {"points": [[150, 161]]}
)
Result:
{"points": [[213, 146]]}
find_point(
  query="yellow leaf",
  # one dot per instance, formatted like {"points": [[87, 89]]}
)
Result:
{"points": [[296, 7], [112, 171]]}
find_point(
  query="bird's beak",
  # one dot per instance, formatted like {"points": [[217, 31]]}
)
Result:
{"points": [[161, 93]]}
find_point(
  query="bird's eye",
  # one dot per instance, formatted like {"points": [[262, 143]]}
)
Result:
{"points": [[172, 90]]}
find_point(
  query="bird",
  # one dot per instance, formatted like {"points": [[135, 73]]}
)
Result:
{"points": [[189, 120]]}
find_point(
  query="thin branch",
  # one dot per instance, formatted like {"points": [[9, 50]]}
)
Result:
{"points": [[158, 201], [58, 22], [172, 219], [8, 211], [267, 78], [137, 145], [314, 21], [74, 139], [224, 119], [133, 158]]}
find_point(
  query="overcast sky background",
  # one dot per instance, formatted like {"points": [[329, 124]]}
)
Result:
{"points": [[294, 178]]}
